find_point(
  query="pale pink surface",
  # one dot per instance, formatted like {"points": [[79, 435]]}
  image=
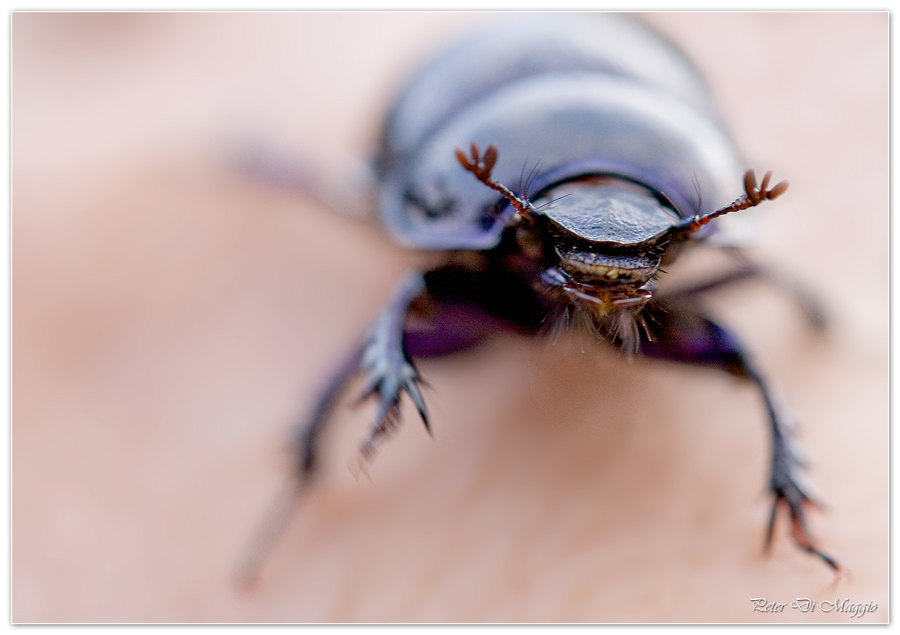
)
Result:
{"points": [[172, 321]]}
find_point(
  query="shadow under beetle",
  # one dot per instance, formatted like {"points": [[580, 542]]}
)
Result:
{"points": [[629, 164]]}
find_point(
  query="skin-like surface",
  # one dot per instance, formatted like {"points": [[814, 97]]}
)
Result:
{"points": [[173, 319]]}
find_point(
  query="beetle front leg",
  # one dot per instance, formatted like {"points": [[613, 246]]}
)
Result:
{"points": [[389, 370], [680, 334]]}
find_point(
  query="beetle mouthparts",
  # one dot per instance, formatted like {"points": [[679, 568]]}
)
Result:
{"points": [[599, 296], [604, 268], [603, 301]]}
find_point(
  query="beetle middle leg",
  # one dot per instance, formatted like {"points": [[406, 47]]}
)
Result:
{"points": [[810, 305], [681, 334]]}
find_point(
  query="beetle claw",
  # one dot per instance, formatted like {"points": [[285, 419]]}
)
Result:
{"points": [[788, 494], [412, 389], [389, 375]]}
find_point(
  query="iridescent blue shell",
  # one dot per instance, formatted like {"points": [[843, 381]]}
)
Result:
{"points": [[560, 96]]}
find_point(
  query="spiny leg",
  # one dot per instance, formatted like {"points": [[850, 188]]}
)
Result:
{"points": [[789, 481], [681, 334], [463, 305], [388, 369]]}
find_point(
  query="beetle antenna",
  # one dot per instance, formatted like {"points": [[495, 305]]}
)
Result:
{"points": [[481, 165], [753, 195]]}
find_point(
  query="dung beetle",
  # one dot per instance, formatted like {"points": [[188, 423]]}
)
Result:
{"points": [[618, 160]]}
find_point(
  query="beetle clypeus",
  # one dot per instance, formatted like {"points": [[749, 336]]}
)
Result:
{"points": [[629, 165]]}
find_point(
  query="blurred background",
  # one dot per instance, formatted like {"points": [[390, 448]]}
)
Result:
{"points": [[173, 319]]}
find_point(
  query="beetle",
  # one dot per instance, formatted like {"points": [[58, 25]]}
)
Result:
{"points": [[628, 163]]}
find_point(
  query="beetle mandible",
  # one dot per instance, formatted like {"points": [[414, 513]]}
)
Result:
{"points": [[629, 164]]}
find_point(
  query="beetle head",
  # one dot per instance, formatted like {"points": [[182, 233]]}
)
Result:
{"points": [[600, 239], [604, 239], [608, 230]]}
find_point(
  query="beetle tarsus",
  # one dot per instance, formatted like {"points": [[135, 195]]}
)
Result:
{"points": [[389, 371], [789, 482], [684, 335], [385, 422], [799, 531]]}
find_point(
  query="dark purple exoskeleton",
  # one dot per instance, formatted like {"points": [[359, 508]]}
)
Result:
{"points": [[621, 161]]}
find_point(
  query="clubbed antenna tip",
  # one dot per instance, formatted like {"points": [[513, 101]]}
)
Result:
{"points": [[753, 195], [481, 165]]}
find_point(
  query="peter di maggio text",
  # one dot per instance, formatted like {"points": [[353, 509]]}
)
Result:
{"points": [[806, 605]]}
